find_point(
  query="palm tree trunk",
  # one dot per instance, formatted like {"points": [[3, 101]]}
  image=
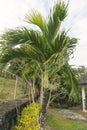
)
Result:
{"points": [[45, 97], [15, 90], [50, 91], [33, 90], [44, 106], [42, 87]]}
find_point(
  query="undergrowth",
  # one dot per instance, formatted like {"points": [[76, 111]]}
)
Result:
{"points": [[29, 119]]}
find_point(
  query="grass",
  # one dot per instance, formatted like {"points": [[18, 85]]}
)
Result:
{"points": [[7, 87], [57, 122]]}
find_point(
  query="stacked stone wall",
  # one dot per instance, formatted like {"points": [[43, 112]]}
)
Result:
{"points": [[9, 111]]}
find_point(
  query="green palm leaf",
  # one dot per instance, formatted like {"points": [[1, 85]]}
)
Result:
{"points": [[57, 15], [71, 80], [36, 18]]}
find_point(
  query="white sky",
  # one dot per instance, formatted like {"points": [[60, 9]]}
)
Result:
{"points": [[12, 14]]}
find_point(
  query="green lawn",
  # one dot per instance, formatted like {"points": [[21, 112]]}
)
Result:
{"points": [[57, 122]]}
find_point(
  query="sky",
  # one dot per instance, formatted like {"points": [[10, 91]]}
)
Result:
{"points": [[12, 15]]}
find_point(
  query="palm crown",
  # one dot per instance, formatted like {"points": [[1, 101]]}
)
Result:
{"points": [[46, 43]]}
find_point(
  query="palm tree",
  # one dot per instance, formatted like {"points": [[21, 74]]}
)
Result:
{"points": [[48, 47]]}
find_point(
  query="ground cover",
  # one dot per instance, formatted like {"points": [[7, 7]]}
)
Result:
{"points": [[55, 121], [7, 89]]}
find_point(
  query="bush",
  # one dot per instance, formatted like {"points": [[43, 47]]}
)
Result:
{"points": [[29, 119]]}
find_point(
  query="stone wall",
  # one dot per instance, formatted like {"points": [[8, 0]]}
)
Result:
{"points": [[9, 111]]}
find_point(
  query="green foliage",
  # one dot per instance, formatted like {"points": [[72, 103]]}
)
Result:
{"points": [[34, 44], [82, 71], [36, 18], [71, 79], [66, 93], [30, 117], [57, 15]]}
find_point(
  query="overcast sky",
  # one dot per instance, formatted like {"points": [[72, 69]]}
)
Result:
{"points": [[12, 14]]}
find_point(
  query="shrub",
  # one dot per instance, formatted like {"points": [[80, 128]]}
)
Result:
{"points": [[29, 119]]}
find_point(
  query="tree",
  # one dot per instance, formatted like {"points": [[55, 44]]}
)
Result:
{"points": [[48, 47], [64, 95]]}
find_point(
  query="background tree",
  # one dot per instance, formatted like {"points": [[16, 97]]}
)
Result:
{"points": [[64, 95]]}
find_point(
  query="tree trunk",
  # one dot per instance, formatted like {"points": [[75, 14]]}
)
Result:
{"points": [[41, 92], [48, 103], [44, 97], [15, 90], [44, 106], [33, 90]]}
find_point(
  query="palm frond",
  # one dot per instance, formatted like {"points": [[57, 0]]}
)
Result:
{"points": [[12, 54], [37, 40], [26, 51], [61, 42], [71, 80], [37, 19], [72, 44], [15, 37], [57, 15]]}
